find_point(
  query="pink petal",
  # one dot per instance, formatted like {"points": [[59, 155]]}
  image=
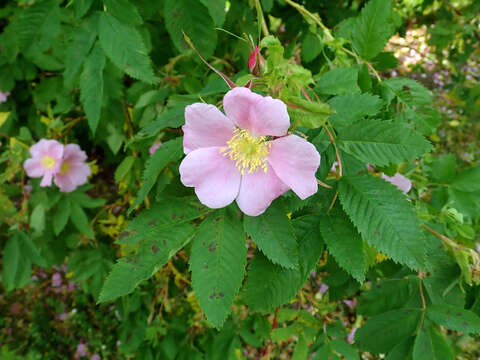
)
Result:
{"points": [[77, 175], [73, 153], [255, 113], [205, 126], [34, 167], [214, 176], [258, 190], [295, 162], [47, 179], [400, 181]]}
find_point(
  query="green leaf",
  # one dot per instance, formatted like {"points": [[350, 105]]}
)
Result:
{"points": [[91, 86], [384, 217], [381, 333], [386, 295], [442, 169], [81, 7], [269, 285], [124, 45], [467, 180], [217, 262], [372, 28], [310, 243], [430, 345], [124, 168], [171, 150], [37, 218], [381, 143], [342, 80], [301, 349], [18, 255], [344, 243], [37, 26], [174, 118], [192, 18], [407, 91], [403, 351], [77, 51], [124, 11], [161, 231], [454, 318], [273, 233], [352, 107], [216, 8], [61, 215], [345, 349], [80, 220], [311, 47]]}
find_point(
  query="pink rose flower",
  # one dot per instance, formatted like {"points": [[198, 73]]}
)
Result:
{"points": [[400, 181], [4, 96], [245, 155], [252, 61], [74, 171], [46, 160]]}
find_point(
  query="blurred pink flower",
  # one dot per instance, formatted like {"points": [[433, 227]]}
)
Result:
{"points": [[81, 351], [323, 288], [154, 147], [74, 171], [246, 155], [351, 336], [351, 303], [56, 279], [252, 61], [3, 96], [400, 181], [95, 357], [46, 160]]}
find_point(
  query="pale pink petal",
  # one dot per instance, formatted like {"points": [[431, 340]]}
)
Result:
{"points": [[400, 181], [295, 162], [258, 190], [40, 148], [77, 175], [255, 113], [205, 126], [3, 96], [34, 167], [47, 179], [214, 176], [73, 153]]}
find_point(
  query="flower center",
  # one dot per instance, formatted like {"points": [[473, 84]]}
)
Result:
{"points": [[65, 168], [249, 152], [48, 162]]}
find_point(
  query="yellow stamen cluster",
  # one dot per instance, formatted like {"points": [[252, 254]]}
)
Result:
{"points": [[48, 162], [65, 168], [249, 152]]}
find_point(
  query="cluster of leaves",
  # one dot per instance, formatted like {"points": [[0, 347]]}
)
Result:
{"points": [[115, 76]]}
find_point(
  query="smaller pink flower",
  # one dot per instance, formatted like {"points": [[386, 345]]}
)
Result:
{"points": [[4, 96], [56, 280], [400, 181], [46, 160], [351, 335], [252, 61], [154, 147], [74, 171]]}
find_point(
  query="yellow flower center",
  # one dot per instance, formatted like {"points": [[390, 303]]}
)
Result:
{"points": [[65, 168], [249, 152], [48, 162]]}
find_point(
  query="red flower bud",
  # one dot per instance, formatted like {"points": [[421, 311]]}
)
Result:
{"points": [[253, 64]]}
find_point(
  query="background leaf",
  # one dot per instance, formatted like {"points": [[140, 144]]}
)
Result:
{"points": [[384, 217]]}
